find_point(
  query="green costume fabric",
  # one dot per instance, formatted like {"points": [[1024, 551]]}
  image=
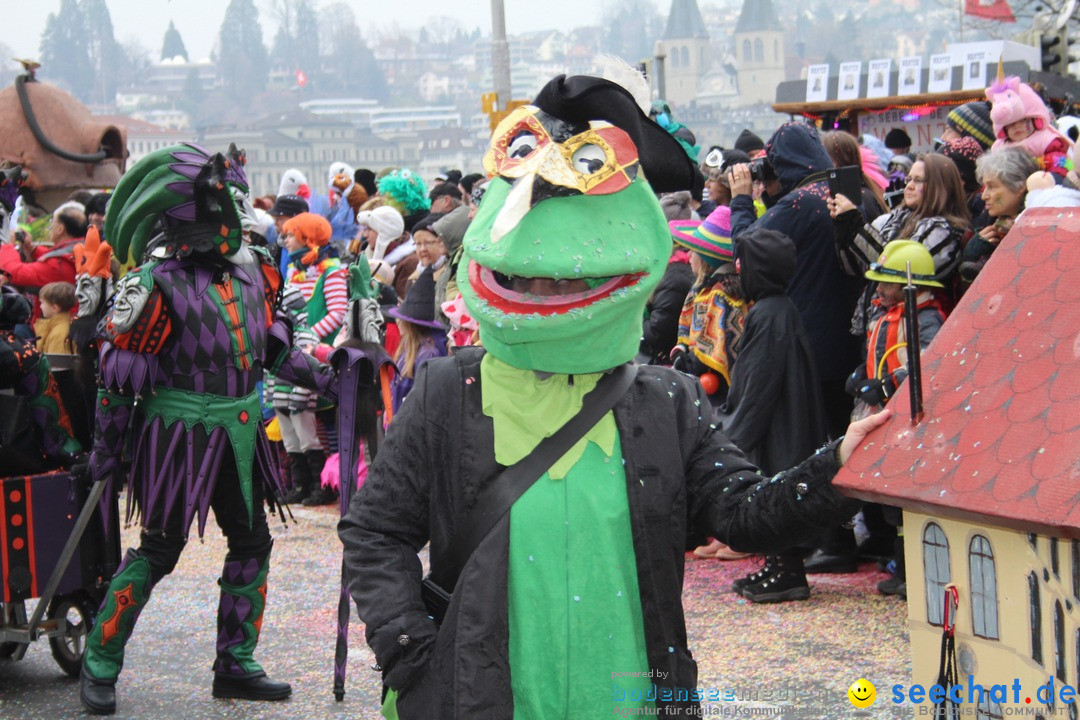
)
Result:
{"points": [[192, 408], [527, 408], [105, 644], [574, 514]]}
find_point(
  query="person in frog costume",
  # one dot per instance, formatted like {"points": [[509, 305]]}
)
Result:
{"points": [[582, 578]]}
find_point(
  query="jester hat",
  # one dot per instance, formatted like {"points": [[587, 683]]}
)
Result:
{"points": [[570, 240], [194, 198]]}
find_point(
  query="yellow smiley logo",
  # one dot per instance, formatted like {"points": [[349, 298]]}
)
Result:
{"points": [[862, 693]]}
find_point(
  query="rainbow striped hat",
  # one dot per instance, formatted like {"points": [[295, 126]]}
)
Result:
{"points": [[711, 238], [682, 231]]}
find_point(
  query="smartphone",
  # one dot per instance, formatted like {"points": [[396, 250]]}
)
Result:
{"points": [[846, 181]]}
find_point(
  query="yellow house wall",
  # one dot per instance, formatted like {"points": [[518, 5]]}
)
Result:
{"points": [[1009, 658]]}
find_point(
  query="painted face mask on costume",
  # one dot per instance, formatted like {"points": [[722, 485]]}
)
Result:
{"points": [[566, 246]]}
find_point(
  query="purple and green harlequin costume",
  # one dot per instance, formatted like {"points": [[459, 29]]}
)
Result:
{"points": [[183, 340]]}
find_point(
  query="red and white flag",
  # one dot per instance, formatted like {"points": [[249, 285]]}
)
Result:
{"points": [[301, 78], [990, 10]]}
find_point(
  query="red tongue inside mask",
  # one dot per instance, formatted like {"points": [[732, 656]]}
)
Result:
{"points": [[544, 296]]}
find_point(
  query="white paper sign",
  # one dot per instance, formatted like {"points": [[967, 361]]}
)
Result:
{"points": [[940, 73], [877, 78], [848, 85], [817, 83], [975, 70], [910, 76]]}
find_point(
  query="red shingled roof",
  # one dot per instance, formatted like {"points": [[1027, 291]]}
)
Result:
{"points": [[1000, 441]]}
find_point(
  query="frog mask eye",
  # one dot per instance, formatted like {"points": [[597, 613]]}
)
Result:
{"points": [[593, 159]]}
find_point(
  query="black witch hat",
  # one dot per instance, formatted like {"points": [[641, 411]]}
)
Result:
{"points": [[418, 307]]}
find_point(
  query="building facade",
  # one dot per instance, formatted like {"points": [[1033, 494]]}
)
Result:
{"points": [[759, 52], [688, 54]]}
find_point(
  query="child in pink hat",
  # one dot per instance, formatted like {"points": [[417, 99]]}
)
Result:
{"points": [[1021, 119]]}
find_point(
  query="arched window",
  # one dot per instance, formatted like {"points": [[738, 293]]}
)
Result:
{"points": [[989, 709], [936, 570], [1076, 568], [747, 52], [759, 51], [674, 57], [984, 617], [1055, 563], [1059, 641], [685, 56], [1035, 611], [776, 51]]}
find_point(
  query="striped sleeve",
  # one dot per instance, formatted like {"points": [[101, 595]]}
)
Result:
{"points": [[336, 292]]}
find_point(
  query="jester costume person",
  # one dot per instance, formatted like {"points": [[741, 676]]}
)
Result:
{"points": [[582, 578], [183, 340]]}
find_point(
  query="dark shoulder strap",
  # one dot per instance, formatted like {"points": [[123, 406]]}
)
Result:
{"points": [[497, 498]]}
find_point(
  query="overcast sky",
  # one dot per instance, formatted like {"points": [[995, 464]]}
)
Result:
{"points": [[199, 20]]}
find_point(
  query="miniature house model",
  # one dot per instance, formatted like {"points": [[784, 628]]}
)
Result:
{"points": [[989, 479]]}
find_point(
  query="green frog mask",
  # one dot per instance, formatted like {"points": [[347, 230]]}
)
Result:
{"points": [[570, 240]]}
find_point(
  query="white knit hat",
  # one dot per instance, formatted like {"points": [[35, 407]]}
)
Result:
{"points": [[389, 225]]}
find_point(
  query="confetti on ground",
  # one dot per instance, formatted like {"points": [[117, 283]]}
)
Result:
{"points": [[811, 650]]}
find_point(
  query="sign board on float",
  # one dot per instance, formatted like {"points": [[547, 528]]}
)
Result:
{"points": [[923, 129]]}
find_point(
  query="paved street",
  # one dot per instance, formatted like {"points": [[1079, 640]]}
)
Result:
{"points": [[805, 654]]}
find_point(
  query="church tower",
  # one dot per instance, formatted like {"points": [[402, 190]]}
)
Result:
{"points": [[686, 44], [759, 52]]}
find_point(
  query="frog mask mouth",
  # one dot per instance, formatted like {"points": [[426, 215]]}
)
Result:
{"points": [[543, 295], [570, 240]]}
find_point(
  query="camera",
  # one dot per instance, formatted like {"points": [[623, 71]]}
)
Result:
{"points": [[761, 170]]}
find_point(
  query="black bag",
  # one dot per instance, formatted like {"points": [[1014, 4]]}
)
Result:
{"points": [[513, 482]]}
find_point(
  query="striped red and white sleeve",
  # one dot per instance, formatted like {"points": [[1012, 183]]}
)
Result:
{"points": [[336, 292]]}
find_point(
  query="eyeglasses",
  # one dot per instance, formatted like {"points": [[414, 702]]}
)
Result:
{"points": [[912, 179]]}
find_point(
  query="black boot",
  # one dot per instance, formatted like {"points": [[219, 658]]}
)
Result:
{"points": [[128, 593], [301, 476], [319, 495], [240, 615], [98, 696], [754, 578], [897, 584], [787, 583], [259, 687]]}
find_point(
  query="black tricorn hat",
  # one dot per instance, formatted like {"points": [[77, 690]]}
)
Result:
{"points": [[581, 98]]}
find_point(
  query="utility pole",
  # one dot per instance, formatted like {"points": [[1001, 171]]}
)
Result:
{"points": [[661, 81], [500, 56]]}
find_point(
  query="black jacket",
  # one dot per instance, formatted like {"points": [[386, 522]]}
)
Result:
{"points": [[661, 329], [681, 473], [774, 409], [823, 293]]}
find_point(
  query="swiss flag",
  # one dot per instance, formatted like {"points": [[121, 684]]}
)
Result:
{"points": [[301, 78], [990, 10]]}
